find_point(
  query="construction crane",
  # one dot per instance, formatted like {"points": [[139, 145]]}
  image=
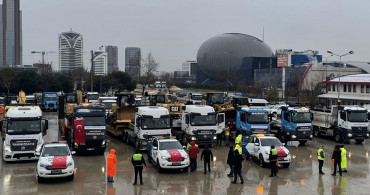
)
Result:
{"points": [[43, 54]]}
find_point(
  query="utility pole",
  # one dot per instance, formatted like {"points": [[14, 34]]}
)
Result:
{"points": [[92, 72]]}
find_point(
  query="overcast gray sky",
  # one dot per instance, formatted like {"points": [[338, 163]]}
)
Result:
{"points": [[173, 30]]}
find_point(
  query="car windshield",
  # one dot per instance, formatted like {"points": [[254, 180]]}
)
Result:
{"points": [[93, 96], [24, 127], [196, 97], [94, 120], [173, 145], [357, 116], [217, 98], [108, 105], [203, 120], [270, 142], [301, 117], [55, 151], [156, 123], [258, 118]]}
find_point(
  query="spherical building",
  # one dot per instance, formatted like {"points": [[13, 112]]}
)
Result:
{"points": [[232, 55]]}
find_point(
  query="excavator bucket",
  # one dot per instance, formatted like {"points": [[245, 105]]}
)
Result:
{"points": [[126, 114]]}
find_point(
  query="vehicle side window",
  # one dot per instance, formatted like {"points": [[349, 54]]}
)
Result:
{"points": [[343, 116], [155, 143], [287, 116], [242, 117]]}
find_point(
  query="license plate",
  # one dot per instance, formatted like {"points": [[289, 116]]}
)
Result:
{"points": [[281, 158], [94, 137], [90, 149], [176, 164], [56, 171]]}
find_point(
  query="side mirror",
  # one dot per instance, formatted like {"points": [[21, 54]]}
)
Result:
{"points": [[37, 154], [256, 144], [73, 152], [187, 119], [184, 147], [283, 144], [155, 147]]}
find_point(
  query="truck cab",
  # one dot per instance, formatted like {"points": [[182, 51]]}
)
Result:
{"points": [[92, 97], [49, 101], [22, 132], [150, 121], [201, 124], [296, 125], [352, 124], [194, 98], [252, 121]]}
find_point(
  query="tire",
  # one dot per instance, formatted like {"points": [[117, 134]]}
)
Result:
{"points": [[316, 132], [286, 165], [337, 137], [274, 115], [128, 141], [247, 157], [159, 168], [124, 137], [302, 142], [184, 141], [186, 169], [359, 141], [261, 161], [40, 179], [71, 177], [137, 145], [283, 138]]}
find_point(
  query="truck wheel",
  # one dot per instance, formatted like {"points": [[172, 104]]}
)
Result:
{"points": [[302, 142], [261, 161], [282, 138], [337, 137], [316, 132], [274, 115], [184, 141], [124, 137], [359, 141], [159, 168], [137, 145], [128, 141]]}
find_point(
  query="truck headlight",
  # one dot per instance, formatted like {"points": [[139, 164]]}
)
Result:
{"points": [[311, 136], [165, 157], [367, 135], [214, 137], [7, 149], [193, 138], [293, 136], [349, 134]]}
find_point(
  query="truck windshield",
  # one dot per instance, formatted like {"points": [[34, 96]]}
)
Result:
{"points": [[21, 127], [240, 101], [94, 120], [161, 99], [196, 97], [55, 151], [50, 98], [270, 142], [108, 105], [156, 123], [170, 146], [71, 99], [301, 117], [203, 120], [357, 116], [258, 118], [93, 96], [217, 98]]}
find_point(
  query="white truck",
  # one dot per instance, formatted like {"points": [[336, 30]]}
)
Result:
{"points": [[201, 124], [92, 97], [342, 123], [22, 133], [167, 153], [150, 121], [194, 98]]}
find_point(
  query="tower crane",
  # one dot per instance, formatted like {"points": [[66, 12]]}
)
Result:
{"points": [[43, 54]]}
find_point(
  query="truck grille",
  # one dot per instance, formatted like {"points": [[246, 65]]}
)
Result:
{"points": [[23, 144], [51, 105], [359, 130]]}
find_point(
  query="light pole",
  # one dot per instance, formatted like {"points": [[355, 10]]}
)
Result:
{"points": [[340, 62]]}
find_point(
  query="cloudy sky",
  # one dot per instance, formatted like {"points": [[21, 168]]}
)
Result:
{"points": [[173, 30]]}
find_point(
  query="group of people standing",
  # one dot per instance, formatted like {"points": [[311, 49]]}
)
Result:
{"points": [[339, 159]]}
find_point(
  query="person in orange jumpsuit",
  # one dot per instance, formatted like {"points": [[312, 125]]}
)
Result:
{"points": [[111, 165]]}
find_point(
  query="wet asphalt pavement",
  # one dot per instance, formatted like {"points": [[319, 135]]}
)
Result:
{"points": [[300, 178]]}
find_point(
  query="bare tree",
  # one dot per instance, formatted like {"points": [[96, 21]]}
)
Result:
{"points": [[8, 75], [148, 68]]}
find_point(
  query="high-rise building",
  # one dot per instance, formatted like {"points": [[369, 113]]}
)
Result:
{"points": [[112, 52], [70, 51], [11, 33], [100, 63], [133, 61]]}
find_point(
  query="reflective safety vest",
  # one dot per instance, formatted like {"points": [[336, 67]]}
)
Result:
{"points": [[238, 139], [239, 148], [274, 152], [188, 146], [343, 163], [318, 154], [227, 131], [137, 157]]}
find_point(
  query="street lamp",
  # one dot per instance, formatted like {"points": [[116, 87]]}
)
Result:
{"points": [[340, 62]]}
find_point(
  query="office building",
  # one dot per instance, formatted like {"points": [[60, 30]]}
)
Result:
{"points": [[112, 54], [133, 62], [11, 33], [100, 63], [70, 51]]}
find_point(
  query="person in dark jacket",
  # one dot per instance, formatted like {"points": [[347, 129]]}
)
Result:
{"points": [[336, 157], [273, 157], [238, 167], [193, 154], [230, 161], [208, 156], [138, 161]]}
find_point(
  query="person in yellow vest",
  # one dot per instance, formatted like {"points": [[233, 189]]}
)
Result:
{"points": [[238, 139], [321, 157], [343, 163], [273, 158], [138, 161], [227, 134], [239, 148]]}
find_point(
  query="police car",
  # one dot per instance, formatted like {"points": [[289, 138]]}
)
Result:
{"points": [[55, 161], [259, 146], [167, 153]]}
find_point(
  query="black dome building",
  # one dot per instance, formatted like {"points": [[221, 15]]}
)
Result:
{"points": [[232, 56]]}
